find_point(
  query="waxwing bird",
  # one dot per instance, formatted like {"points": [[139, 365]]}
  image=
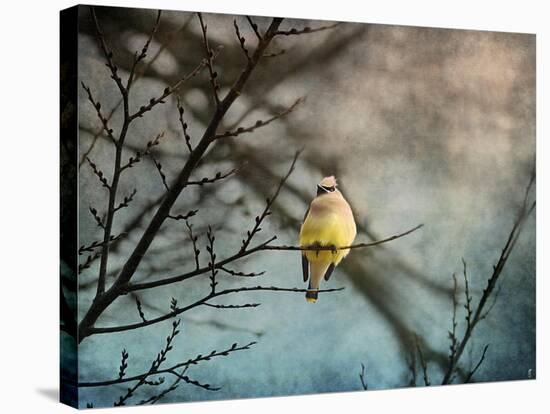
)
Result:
{"points": [[328, 222]]}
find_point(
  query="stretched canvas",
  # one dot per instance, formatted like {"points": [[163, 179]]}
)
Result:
{"points": [[263, 206]]}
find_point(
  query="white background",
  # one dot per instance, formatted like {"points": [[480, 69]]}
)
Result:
{"points": [[29, 171]]}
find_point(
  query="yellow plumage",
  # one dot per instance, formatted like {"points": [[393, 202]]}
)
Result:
{"points": [[329, 222]]}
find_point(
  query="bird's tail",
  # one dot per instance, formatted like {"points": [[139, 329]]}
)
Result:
{"points": [[318, 269], [312, 294]]}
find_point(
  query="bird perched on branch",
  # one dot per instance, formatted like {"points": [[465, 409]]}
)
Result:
{"points": [[328, 223]]}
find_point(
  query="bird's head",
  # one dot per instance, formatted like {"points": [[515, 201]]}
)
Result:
{"points": [[327, 185]]}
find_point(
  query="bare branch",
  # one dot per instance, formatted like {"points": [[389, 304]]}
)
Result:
{"points": [[478, 314], [185, 216], [219, 176], [126, 201], [260, 123], [246, 305], [103, 119], [140, 154], [155, 365], [254, 27], [467, 305], [98, 219], [423, 363], [363, 378], [155, 398], [162, 282], [121, 328], [88, 262], [193, 238], [108, 55], [105, 298], [305, 30], [194, 361], [211, 264], [353, 246], [209, 61], [267, 210], [123, 364], [188, 380], [184, 126], [452, 333], [99, 174], [241, 274], [158, 165], [140, 310], [97, 244], [472, 372], [248, 251], [139, 57], [139, 73], [169, 90], [242, 39]]}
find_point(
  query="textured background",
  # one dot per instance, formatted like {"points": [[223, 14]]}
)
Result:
{"points": [[420, 125]]}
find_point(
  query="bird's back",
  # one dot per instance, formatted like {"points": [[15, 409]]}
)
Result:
{"points": [[328, 222]]}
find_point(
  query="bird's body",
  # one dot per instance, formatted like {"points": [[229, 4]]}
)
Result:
{"points": [[328, 222]]}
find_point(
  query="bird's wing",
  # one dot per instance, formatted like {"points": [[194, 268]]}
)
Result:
{"points": [[329, 271], [305, 267], [305, 263]]}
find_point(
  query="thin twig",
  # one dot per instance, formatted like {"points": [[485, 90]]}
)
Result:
{"points": [[423, 363], [169, 90], [353, 246], [246, 305], [193, 238], [185, 216], [249, 251], [121, 328], [219, 176], [88, 262], [127, 200], [99, 174], [241, 274], [242, 40], [260, 123], [363, 378], [184, 126], [99, 222], [140, 154], [305, 30], [467, 305], [194, 361], [269, 202], [158, 165], [102, 118], [139, 57], [209, 61], [211, 264], [140, 310], [153, 370], [108, 54], [473, 371], [452, 332], [254, 27], [97, 244]]}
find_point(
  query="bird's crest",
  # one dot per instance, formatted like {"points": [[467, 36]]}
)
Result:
{"points": [[328, 182]]}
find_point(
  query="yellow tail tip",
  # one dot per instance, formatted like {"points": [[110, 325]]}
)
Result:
{"points": [[311, 300]]}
